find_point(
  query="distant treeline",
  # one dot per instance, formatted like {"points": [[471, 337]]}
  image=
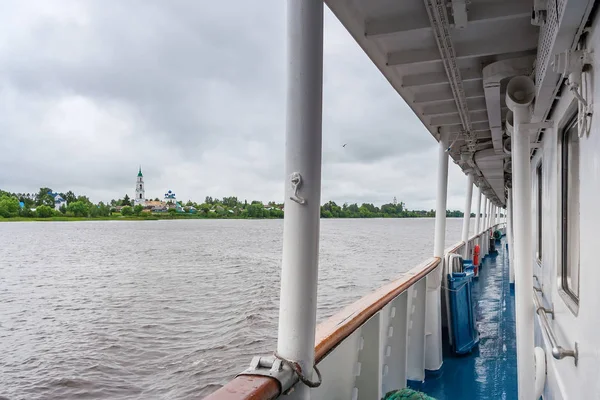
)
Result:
{"points": [[42, 205]]}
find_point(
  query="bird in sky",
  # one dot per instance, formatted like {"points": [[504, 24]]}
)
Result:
{"points": [[344, 144]]}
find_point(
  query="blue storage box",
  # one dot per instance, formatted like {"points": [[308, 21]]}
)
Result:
{"points": [[464, 331]]}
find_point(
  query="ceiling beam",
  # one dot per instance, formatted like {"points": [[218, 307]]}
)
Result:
{"points": [[441, 120], [465, 50], [476, 13], [436, 97], [440, 78], [475, 104], [477, 127]]}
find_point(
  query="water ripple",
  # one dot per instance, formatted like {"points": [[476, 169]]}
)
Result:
{"points": [[168, 309]]}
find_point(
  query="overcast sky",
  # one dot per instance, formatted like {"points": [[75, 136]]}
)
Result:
{"points": [[194, 91]]}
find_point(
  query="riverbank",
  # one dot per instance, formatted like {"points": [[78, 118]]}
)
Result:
{"points": [[166, 217], [153, 217]]}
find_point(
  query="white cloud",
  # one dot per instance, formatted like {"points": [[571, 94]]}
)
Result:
{"points": [[195, 93]]}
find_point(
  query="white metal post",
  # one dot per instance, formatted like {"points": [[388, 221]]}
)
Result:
{"points": [[299, 273], [509, 237], [433, 309], [467, 216], [477, 216], [519, 95], [484, 215], [442, 192], [496, 215]]}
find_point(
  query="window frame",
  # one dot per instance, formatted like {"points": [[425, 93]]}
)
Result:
{"points": [[569, 297]]}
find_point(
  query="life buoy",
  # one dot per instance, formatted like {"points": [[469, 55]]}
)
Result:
{"points": [[476, 251]]}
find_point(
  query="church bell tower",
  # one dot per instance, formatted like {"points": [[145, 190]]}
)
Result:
{"points": [[140, 192]]}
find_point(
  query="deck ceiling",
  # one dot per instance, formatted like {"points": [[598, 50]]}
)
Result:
{"points": [[399, 37]]}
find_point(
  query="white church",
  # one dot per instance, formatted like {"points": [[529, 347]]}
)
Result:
{"points": [[140, 192]]}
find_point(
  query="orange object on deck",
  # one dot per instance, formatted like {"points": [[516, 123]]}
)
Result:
{"points": [[476, 256]]}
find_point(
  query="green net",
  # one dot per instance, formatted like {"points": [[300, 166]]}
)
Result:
{"points": [[406, 394], [497, 235]]}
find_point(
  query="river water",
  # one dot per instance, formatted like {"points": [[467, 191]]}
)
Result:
{"points": [[169, 309]]}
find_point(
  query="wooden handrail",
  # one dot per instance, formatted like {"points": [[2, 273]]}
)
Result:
{"points": [[330, 333], [246, 387]]}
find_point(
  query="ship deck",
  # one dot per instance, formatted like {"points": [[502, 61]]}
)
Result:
{"points": [[490, 371]]}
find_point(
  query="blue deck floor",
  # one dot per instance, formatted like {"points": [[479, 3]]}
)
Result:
{"points": [[490, 371]]}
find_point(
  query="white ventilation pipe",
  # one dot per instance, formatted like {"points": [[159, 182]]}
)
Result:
{"points": [[493, 74], [509, 123], [520, 93], [299, 271]]}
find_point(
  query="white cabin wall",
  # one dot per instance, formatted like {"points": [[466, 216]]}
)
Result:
{"points": [[565, 380]]}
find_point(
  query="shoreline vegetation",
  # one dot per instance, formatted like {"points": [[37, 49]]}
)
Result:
{"points": [[41, 206]]}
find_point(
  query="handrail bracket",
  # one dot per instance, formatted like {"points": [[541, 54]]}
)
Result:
{"points": [[273, 367]]}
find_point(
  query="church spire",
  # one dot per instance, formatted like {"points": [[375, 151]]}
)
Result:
{"points": [[140, 193]]}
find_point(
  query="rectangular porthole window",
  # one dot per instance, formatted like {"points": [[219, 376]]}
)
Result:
{"points": [[538, 247], [570, 211]]}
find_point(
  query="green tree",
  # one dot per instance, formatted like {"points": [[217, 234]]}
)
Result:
{"points": [[9, 206], [70, 197], [255, 210], [137, 210], [126, 201], [26, 212], [79, 208], [126, 211], [44, 211], [43, 197], [104, 210], [172, 211], [63, 209], [230, 201]]}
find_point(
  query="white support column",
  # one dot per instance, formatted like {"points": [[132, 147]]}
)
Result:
{"points": [[519, 95], [477, 216], [496, 215], [467, 216], [433, 312], [298, 300], [442, 192], [509, 237], [484, 215]]}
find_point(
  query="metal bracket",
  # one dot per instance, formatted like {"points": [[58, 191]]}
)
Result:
{"points": [[546, 310], [296, 181], [275, 368], [559, 353], [571, 61]]}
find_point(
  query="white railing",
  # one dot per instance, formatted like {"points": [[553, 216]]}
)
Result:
{"points": [[373, 345]]}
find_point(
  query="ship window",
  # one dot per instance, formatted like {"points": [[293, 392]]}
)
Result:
{"points": [[570, 210], [538, 174]]}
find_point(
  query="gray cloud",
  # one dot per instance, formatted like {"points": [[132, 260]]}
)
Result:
{"points": [[195, 92]]}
